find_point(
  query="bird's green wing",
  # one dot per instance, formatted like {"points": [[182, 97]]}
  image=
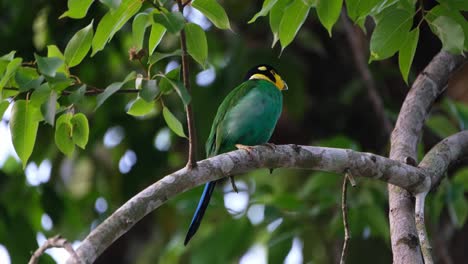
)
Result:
{"points": [[213, 143]]}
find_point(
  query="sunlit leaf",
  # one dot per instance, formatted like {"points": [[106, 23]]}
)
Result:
{"points": [[156, 34], [112, 22], [214, 12], [197, 45], [328, 12], [64, 134], [139, 25], [54, 51], [450, 33], [173, 123], [266, 7], [390, 33], [442, 10], [48, 66], [149, 90], [172, 21], [407, 51], [80, 128], [111, 4], [79, 45], [276, 15], [40, 95], [359, 9], [23, 128], [11, 69], [3, 107], [77, 8], [293, 18], [140, 107], [49, 108]]}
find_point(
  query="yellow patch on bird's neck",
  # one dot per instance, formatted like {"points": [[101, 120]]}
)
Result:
{"points": [[278, 82]]}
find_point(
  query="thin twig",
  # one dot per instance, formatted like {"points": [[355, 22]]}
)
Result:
{"points": [[421, 228], [192, 159], [344, 209], [54, 242], [352, 34]]}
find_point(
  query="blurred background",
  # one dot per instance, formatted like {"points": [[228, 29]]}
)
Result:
{"points": [[290, 216]]}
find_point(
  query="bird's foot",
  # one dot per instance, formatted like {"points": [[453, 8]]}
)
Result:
{"points": [[249, 149], [233, 183], [269, 145]]}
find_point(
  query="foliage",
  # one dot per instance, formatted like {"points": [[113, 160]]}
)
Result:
{"points": [[54, 95]]}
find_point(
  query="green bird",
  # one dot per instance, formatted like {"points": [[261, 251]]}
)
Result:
{"points": [[246, 117]]}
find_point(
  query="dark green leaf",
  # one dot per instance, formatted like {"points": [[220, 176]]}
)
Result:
{"points": [[173, 123], [11, 69], [77, 8], [53, 51], [407, 51], [64, 134], [80, 128], [112, 22], [79, 45], [140, 107], [172, 21], [157, 56], [27, 79], [149, 90], [78, 95], [110, 90], [442, 10], [462, 110], [165, 85], [23, 127], [197, 45], [48, 66], [40, 95], [140, 23], [293, 18], [390, 33], [461, 178], [450, 33], [457, 205], [276, 15], [267, 5], [214, 12], [328, 12], [179, 88], [455, 4], [441, 126], [360, 9], [156, 34]]}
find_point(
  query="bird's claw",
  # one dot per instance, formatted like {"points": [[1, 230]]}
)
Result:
{"points": [[244, 147]]}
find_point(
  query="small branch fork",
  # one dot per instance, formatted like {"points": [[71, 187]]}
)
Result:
{"points": [[344, 210], [57, 242]]}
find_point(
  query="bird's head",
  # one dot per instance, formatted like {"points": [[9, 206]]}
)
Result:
{"points": [[266, 72]]}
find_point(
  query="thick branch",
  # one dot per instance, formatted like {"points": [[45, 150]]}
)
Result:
{"points": [[429, 84], [238, 162]]}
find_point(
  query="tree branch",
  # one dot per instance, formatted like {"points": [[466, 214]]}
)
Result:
{"points": [[404, 139], [192, 159], [58, 242], [237, 162]]}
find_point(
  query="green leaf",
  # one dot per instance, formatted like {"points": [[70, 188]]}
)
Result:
{"points": [[457, 205], [173, 123], [49, 108], [40, 95], [407, 51], [450, 33], [441, 126], [64, 134], [157, 56], [140, 23], [390, 33], [77, 8], [27, 79], [156, 34], [78, 95], [80, 127], [110, 90], [165, 85], [360, 9], [328, 12], [293, 18], [178, 87], [111, 4], [53, 51], [462, 110], [11, 69], [197, 45], [461, 178], [214, 12], [112, 22], [48, 66], [23, 127], [172, 21], [140, 107], [79, 45], [3, 107], [458, 4], [276, 15], [9, 56], [267, 5], [149, 90], [442, 10]]}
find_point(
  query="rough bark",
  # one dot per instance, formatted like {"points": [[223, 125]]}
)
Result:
{"points": [[404, 139]]}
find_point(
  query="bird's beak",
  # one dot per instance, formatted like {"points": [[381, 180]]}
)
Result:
{"points": [[285, 86]]}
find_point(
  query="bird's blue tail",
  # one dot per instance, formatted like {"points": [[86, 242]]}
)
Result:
{"points": [[202, 205]]}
